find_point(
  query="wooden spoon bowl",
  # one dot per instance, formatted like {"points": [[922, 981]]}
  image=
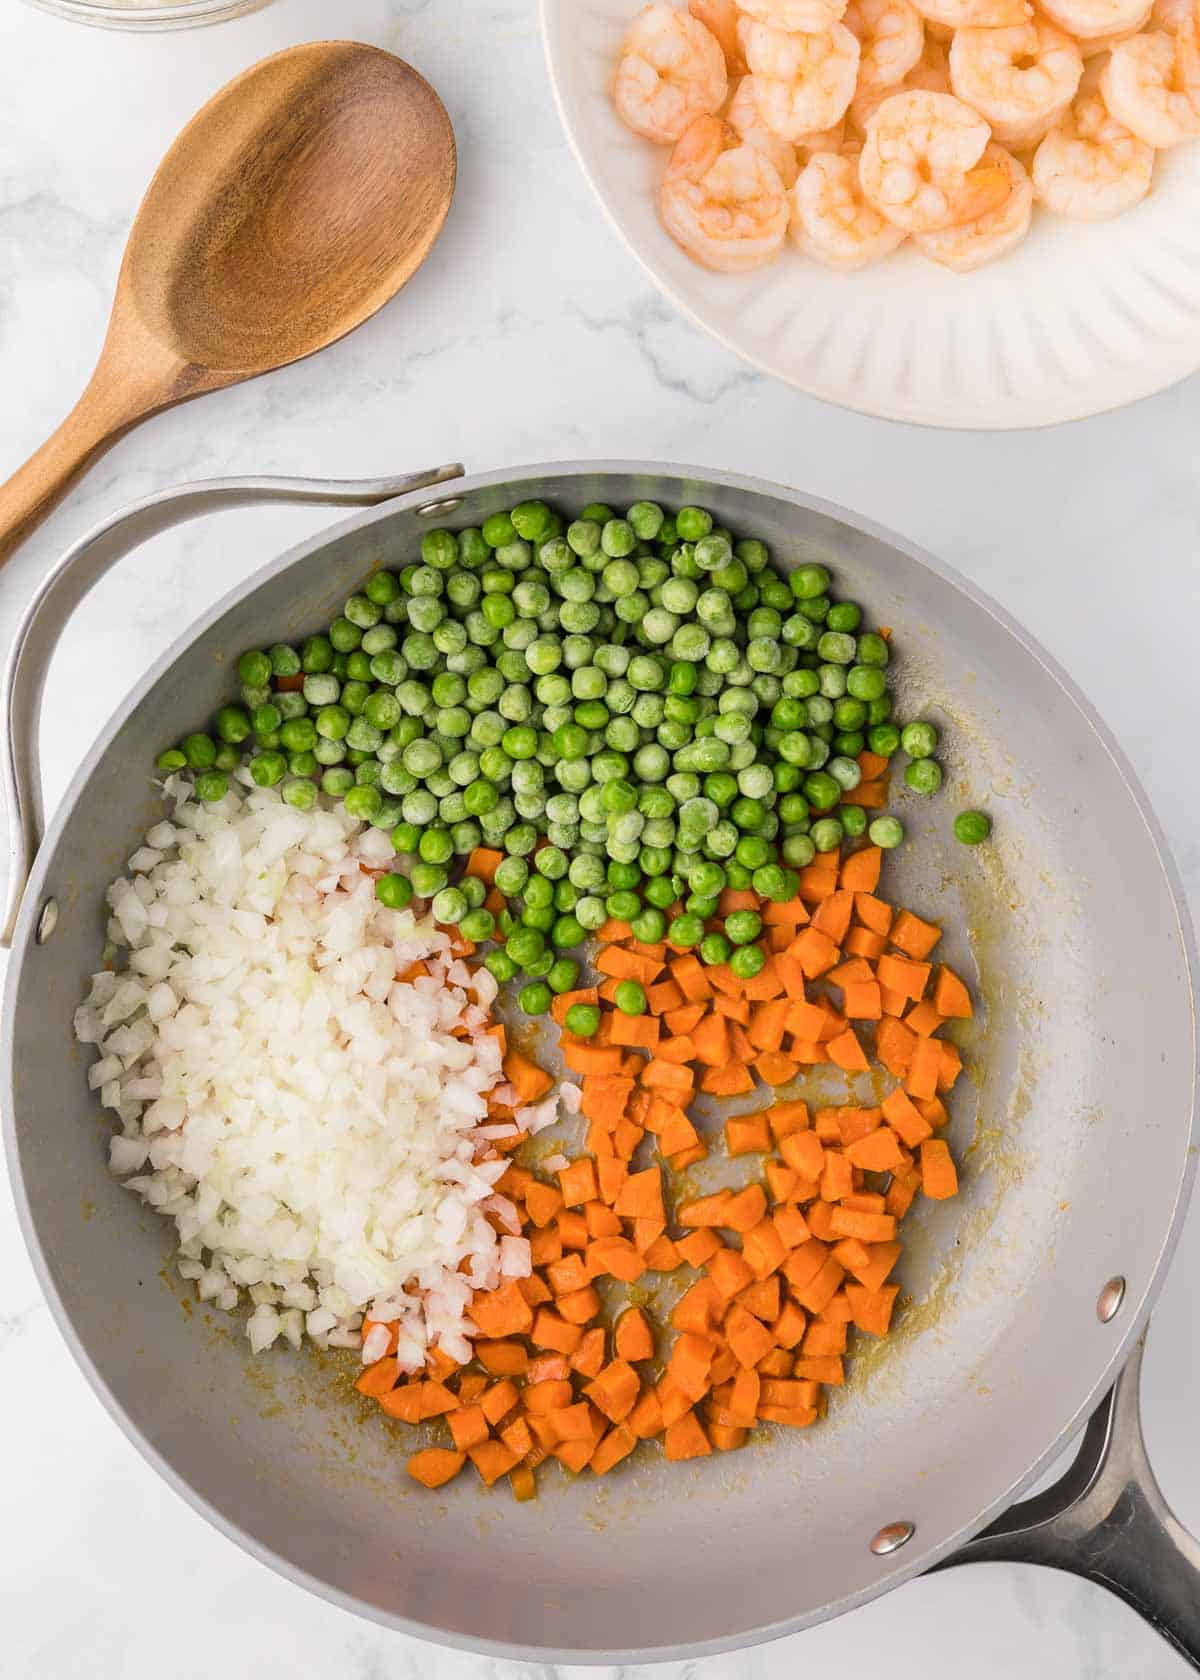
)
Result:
{"points": [[292, 206]]}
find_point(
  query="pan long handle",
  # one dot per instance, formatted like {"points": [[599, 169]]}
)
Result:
{"points": [[84, 565], [1106, 1519]]}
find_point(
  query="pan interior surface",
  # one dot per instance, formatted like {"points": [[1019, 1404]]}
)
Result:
{"points": [[1072, 1129]]}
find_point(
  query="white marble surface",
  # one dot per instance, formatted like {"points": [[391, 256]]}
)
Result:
{"points": [[529, 335]]}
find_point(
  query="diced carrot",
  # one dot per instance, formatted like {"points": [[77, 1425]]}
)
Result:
{"points": [[674, 1404], [900, 974], [661, 1256], [901, 1192], [879, 1152], [817, 879], [949, 1064], [736, 898], [874, 913], [894, 1045], [688, 1157], [784, 1118], [859, 872], [790, 914], [501, 1358], [837, 1176], [626, 1138], [832, 915], [711, 1038], [747, 1134], [689, 976], [913, 936], [763, 1249], [921, 1079], [861, 942], [580, 1307], [803, 1153], [789, 1391], [529, 1081], [611, 1175], [578, 1182], [762, 1297], [698, 1309], [675, 1050], [501, 1312], [606, 1097], [704, 1210], [902, 1114], [468, 1426], [433, 1467], [950, 997], [736, 1009], [573, 1228], [379, 1379], [939, 1177], [791, 974], [617, 1257], [632, 1338], [534, 1289], [568, 1274], [622, 964], [588, 1357], [733, 1080], [664, 996], [789, 1327], [862, 1001], [689, 1365], [872, 1308], [483, 864], [566, 1000], [821, 1340], [766, 984], [749, 1339], [678, 1135], [846, 1052], [575, 1455], [646, 1233], [681, 1021], [815, 952], [826, 1368], [729, 1271], [665, 1076], [923, 1019], [551, 1331], [871, 796], [638, 1032], [685, 1438], [581, 1057], [791, 1226], [641, 1197], [745, 1208], [615, 1445], [698, 1247], [613, 932], [615, 1390], [869, 1227], [646, 1419]]}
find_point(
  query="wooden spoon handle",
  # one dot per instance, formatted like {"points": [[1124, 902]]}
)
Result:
{"points": [[36, 488]]}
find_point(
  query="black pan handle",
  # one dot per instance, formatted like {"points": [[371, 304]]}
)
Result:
{"points": [[1106, 1519]]}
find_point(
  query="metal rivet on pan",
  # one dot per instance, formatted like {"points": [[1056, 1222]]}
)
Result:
{"points": [[1108, 1304], [448, 506], [47, 921], [891, 1538]]}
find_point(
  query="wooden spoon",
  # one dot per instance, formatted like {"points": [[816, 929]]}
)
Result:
{"points": [[291, 207]]}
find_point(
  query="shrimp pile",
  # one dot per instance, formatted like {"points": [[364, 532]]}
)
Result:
{"points": [[844, 129]]}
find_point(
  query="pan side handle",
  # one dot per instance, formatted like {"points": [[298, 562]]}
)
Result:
{"points": [[83, 566], [1106, 1520]]}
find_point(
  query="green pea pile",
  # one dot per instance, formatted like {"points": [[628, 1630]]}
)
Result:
{"points": [[643, 692]]}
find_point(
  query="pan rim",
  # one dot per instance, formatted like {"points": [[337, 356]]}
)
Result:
{"points": [[918, 1562]]}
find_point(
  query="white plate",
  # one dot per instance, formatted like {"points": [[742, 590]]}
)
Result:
{"points": [[1082, 317]]}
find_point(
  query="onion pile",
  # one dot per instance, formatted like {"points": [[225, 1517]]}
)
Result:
{"points": [[310, 1122]]}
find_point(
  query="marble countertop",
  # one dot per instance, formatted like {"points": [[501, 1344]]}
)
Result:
{"points": [[529, 334]]}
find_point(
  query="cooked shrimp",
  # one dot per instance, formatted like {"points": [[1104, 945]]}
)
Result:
{"points": [[825, 140], [974, 14], [1090, 166], [891, 37], [1170, 15], [919, 163], [832, 221], [720, 18], [802, 82], [743, 115], [1151, 84], [722, 200], [1021, 79], [1088, 20], [672, 70], [809, 17], [931, 74], [996, 232], [1105, 43]]}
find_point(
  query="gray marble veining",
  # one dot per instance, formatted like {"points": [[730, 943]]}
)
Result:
{"points": [[530, 333]]}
